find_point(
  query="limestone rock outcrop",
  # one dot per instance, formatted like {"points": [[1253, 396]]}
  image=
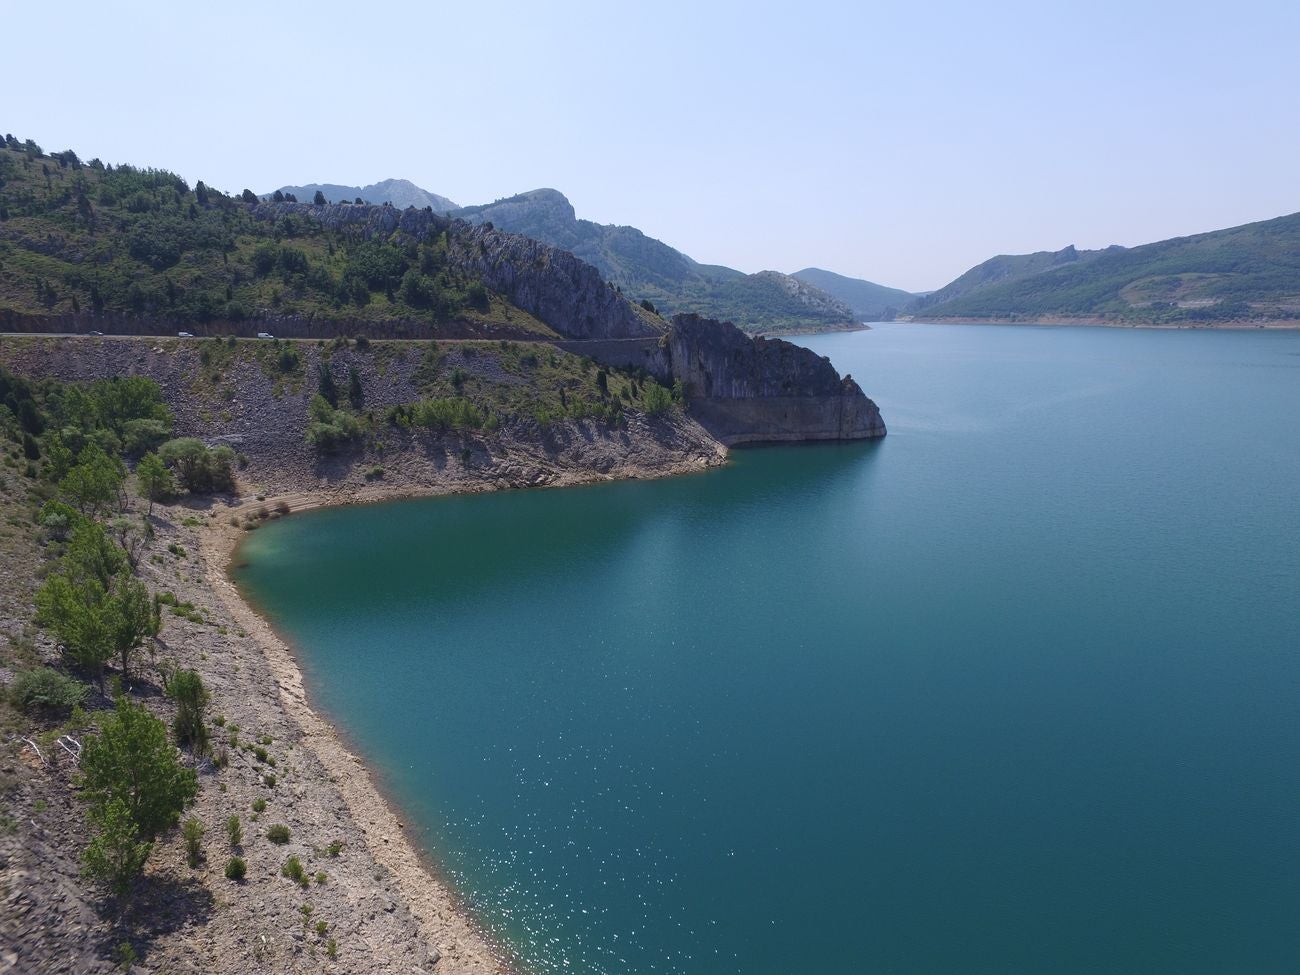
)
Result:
{"points": [[745, 389]]}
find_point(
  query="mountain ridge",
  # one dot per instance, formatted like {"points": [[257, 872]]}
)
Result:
{"points": [[643, 267], [869, 301], [1244, 274], [649, 270], [397, 192]]}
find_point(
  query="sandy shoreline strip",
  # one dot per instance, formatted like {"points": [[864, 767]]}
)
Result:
{"points": [[430, 901], [435, 905]]}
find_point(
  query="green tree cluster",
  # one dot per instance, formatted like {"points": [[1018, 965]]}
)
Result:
{"points": [[330, 429], [199, 468], [96, 609]]}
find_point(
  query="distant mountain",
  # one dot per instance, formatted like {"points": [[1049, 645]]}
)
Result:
{"points": [[870, 302], [1004, 269], [1244, 274], [649, 270], [401, 193]]}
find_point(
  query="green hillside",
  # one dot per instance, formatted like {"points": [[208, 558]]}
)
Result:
{"points": [[870, 302], [82, 238], [646, 269], [1244, 274]]}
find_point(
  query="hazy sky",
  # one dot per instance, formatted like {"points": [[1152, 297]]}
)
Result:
{"points": [[900, 142]]}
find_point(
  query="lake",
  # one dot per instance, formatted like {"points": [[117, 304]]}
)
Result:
{"points": [[1014, 689]]}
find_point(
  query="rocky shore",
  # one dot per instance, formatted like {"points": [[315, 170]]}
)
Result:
{"points": [[383, 909]]}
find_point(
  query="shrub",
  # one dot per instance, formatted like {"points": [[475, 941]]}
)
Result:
{"points": [[126, 955], [191, 699], [259, 805], [260, 753], [193, 833], [278, 834], [293, 870], [332, 948], [328, 389], [47, 690], [356, 393], [334, 848], [234, 831], [236, 868], [321, 877], [269, 779]]}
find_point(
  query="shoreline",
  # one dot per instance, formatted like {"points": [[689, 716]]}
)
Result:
{"points": [[1049, 321], [446, 923]]}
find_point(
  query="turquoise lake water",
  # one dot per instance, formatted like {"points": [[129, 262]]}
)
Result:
{"points": [[1013, 690]]}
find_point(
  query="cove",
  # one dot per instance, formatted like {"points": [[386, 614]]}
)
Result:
{"points": [[1011, 690]]}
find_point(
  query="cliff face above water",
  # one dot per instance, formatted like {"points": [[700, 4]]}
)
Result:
{"points": [[758, 390]]}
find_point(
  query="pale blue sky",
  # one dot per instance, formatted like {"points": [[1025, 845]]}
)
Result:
{"points": [[901, 142]]}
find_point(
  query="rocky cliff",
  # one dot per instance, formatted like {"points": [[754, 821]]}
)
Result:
{"points": [[564, 292], [756, 390]]}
